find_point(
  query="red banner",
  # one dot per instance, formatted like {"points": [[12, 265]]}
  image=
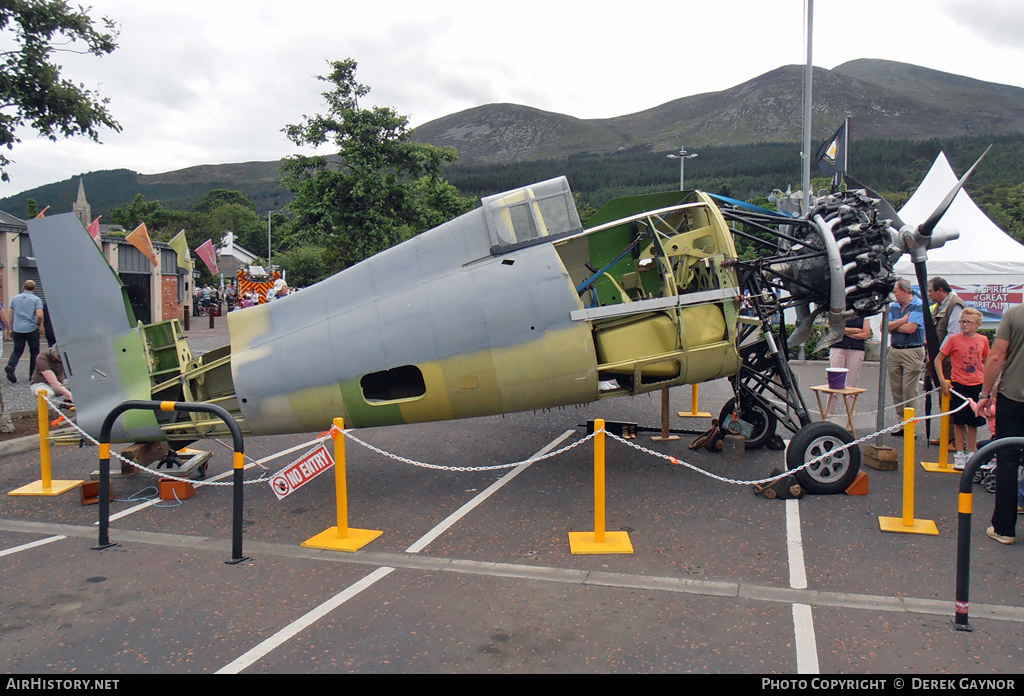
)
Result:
{"points": [[94, 229], [990, 300], [209, 256]]}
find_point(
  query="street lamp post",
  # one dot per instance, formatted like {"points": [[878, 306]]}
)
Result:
{"points": [[270, 214], [682, 157]]}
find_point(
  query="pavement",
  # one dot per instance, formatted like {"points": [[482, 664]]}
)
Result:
{"points": [[474, 571]]}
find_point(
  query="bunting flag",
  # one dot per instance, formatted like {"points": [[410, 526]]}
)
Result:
{"points": [[42, 213], [94, 229], [139, 238], [180, 246], [208, 255], [833, 152]]}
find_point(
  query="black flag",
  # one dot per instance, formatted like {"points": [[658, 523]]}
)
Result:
{"points": [[833, 152]]}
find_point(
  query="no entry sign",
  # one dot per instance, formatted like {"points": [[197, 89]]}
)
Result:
{"points": [[301, 471]]}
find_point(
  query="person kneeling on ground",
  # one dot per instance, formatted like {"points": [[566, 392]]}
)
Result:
{"points": [[49, 375]]}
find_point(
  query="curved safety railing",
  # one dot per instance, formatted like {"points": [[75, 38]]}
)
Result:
{"points": [[188, 407]]}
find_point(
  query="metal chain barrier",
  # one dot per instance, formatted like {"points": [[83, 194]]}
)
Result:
{"points": [[492, 467], [437, 467]]}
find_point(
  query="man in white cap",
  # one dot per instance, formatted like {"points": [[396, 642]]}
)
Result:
{"points": [[280, 289]]}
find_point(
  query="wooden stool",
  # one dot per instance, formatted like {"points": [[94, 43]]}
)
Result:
{"points": [[851, 404]]}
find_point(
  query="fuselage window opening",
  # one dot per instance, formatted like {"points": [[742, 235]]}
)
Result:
{"points": [[396, 384]]}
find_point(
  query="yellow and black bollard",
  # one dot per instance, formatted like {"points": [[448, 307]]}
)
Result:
{"points": [[964, 509]]}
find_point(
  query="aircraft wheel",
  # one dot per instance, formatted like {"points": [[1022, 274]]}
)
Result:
{"points": [[757, 415], [836, 471]]}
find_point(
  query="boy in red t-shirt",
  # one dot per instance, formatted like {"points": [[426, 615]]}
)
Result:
{"points": [[967, 352]]}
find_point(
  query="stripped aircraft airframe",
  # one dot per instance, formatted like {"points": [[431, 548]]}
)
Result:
{"points": [[514, 306]]}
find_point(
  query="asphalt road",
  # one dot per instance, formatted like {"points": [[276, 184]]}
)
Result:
{"points": [[474, 572]]}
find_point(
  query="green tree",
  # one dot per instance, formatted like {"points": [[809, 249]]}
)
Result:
{"points": [[305, 265], [212, 200], [249, 231], [221, 210], [1004, 204], [32, 90], [161, 223], [382, 188]]}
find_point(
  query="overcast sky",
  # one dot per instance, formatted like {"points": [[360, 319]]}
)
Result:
{"points": [[215, 81]]}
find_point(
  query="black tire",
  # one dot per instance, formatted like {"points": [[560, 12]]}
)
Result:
{"points": [[757, 415], [836, 472]]}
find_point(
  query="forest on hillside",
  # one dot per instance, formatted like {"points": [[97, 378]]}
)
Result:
{"points": [[750, 172], [894, 168]]}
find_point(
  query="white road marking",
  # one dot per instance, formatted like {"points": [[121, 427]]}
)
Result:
{"points": [[803, 618], [806, 645], [31, 545], [294, 628], [494, 487], [795, 546]]}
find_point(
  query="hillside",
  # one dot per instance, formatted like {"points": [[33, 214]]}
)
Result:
{"points": [[885, 100], [504, 145]]}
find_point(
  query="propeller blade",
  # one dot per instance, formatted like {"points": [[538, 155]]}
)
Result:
{"points": [[884, 207], [926, 228], [931, 334]]}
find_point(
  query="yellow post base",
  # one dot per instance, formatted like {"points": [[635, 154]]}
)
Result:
{"points": [[895, 524], [694, 411], [353, 541], [586, 543], [329, 539], [937, 467], [37, 488]]}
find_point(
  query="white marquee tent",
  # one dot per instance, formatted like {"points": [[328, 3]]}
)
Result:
{"points": [[985, 265]]}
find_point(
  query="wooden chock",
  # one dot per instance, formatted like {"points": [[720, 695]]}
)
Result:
{"points": [[859, 485]]}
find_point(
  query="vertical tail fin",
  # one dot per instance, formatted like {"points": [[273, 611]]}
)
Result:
{"points": [[103, 352]]}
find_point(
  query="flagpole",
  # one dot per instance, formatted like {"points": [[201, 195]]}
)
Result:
{"points": [[808, 70]]}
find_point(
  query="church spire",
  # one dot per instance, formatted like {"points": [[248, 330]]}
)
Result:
{"points": [[82, 208]]}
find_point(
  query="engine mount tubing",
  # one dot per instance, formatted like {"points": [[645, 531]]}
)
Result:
{"points": [[182, 406], [963, 539], [837, 280]]}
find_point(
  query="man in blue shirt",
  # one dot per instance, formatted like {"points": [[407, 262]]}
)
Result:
{"points": [[26, 319], [907, 351]]}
